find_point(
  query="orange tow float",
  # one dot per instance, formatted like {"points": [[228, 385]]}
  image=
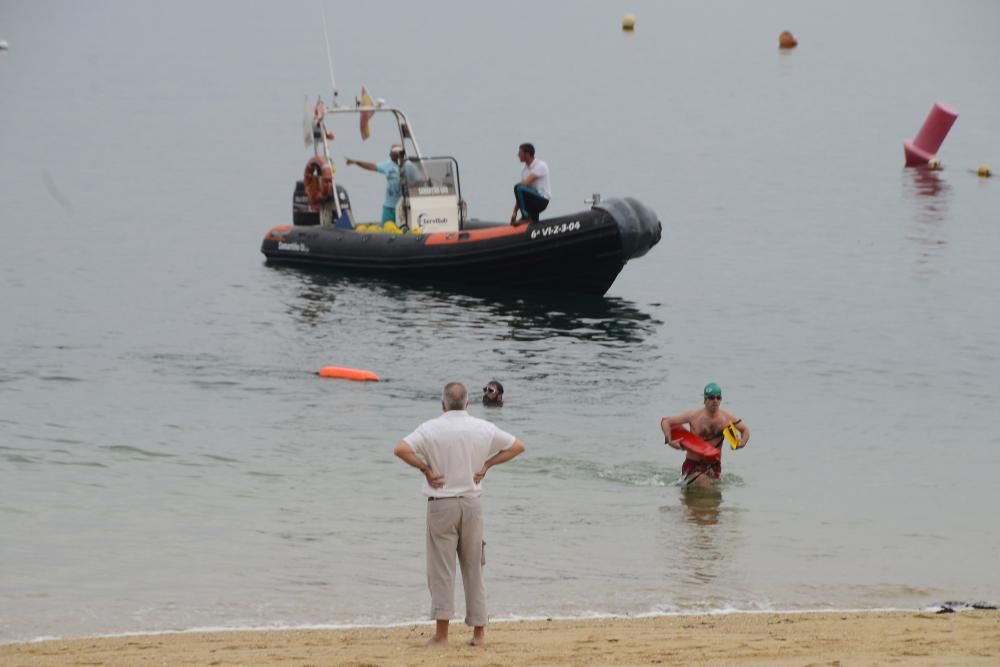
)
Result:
{"points": [[347, 374]]}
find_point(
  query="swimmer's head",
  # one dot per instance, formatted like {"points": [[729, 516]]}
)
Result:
{"points": [[493, 394], [713, 390]]}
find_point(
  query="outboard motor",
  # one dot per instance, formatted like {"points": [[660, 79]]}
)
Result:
{"points": [[303, 216]]}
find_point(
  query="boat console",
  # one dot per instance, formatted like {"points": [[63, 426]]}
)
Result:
{"points": [[432, 198]]}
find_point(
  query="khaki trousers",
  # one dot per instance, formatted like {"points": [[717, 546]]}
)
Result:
{"points": [[455, 527]]}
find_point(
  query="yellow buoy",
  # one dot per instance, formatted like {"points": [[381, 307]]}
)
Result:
{"points": [[628, 22], [984, 171]]}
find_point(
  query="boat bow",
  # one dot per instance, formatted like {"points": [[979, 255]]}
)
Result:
{"points": [[638, 225]]}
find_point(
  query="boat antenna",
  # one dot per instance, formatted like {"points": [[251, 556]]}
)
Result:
{"points": [[329, 57]]}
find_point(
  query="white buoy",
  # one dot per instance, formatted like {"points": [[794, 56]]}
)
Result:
{"points": [[3, 45]]}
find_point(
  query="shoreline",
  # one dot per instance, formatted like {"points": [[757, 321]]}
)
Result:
{"points": [[738, 638], [594, 616]]}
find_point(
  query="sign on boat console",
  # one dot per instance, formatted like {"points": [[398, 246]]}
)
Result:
{"points": [[432, 199]]}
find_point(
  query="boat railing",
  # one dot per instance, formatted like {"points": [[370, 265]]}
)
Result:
{"points": [[405, 129]]}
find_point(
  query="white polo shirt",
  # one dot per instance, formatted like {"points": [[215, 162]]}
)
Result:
{"points": [[456, 445], [541, 170]]}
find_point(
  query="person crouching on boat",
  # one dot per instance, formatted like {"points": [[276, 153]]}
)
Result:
{"points": [[390, 169], [532, 193], [708, 423]]}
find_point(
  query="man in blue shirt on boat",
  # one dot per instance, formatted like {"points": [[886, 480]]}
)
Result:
{"points": [[389, 168], [532, 192]]}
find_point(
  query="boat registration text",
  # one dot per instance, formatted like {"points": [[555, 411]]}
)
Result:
{"points": [[556, 229]]}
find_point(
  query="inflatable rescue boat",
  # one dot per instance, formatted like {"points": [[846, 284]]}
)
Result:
{"points": [[432, 238]]}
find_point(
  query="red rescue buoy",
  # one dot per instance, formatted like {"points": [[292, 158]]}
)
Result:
{"points": [[786, 40], [347, 374]]}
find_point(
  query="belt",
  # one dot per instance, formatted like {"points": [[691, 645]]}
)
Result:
{"points": [[444, 498]]}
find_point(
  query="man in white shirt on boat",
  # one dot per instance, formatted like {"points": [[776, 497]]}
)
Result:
{"points": [[454, 453], [532, 193]]}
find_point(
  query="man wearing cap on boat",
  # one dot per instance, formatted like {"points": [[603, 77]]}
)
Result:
{"points": [[532, 193], [390, 168], [714, 426]]}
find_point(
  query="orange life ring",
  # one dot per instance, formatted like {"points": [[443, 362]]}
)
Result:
{"points": [[318, 180]]}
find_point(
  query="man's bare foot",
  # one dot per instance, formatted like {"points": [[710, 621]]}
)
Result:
{"points": [[478, 637], [440, 637]]}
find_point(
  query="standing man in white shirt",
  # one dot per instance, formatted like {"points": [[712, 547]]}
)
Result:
{"points": [[454, 453], [532, 193]]}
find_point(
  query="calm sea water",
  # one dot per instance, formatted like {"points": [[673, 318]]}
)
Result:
{"points": [[168, 460]]}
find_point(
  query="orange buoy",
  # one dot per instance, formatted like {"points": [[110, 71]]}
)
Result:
{"points": [[786, 40], [318, 180], [346, 374]]}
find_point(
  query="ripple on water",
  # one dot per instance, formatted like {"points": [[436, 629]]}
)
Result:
{"points": [[138, 452], [221, 459]]}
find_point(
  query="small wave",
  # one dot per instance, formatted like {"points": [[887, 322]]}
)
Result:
{"points": [[66, 441], [212, 384], [84, 464], [129, 449], [635, 475], [223, 459], [17, 458]]}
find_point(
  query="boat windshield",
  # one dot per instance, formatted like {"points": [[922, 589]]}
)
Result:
{"points": [[431, 177]]}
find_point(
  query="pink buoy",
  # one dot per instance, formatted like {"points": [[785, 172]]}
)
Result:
{"points": [[925, 146]]}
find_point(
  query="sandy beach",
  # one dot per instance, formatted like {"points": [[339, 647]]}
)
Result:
{"points": [[835, 639]]}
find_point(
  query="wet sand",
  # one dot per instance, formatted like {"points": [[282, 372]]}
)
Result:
{"points": [[834, 639]]}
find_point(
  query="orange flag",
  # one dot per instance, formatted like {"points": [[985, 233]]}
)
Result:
{"points": [[366, 101]]}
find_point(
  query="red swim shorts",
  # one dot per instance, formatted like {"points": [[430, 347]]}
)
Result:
{"points": [[691, 468]]}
